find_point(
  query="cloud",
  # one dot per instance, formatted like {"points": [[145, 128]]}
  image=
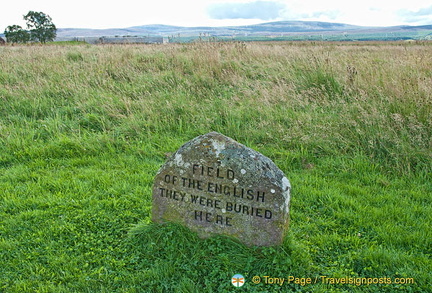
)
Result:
{"points": [[421, 16], [265, 10], [328, 14], [421, 12]]}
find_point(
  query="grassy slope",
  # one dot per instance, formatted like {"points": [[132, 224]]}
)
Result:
{"points": [[83, 130]]}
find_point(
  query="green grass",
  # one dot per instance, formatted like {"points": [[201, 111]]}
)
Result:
{"points": [[418, 36], [84, 129]]}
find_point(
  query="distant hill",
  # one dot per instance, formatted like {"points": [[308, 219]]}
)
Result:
{"points": [[273, 30], [167, 30]]}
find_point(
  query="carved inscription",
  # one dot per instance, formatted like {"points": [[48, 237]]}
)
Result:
{"points": [[216, 189], [214, 185]]}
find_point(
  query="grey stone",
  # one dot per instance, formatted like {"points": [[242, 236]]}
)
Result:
{"points": [[215, 185]]}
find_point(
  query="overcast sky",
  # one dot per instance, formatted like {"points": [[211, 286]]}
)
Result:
{"points": [[126, 13]]}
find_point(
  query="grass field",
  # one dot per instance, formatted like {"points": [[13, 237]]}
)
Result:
{"points": [[84, 129]]}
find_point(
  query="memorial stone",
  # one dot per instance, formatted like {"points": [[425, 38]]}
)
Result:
{"points": [[215, 185]]}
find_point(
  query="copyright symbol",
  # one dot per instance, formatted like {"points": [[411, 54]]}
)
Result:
{"points": [[256, 279]]}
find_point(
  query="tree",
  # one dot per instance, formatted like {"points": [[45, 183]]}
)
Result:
{"points": [[16, 34], [41, 27]]}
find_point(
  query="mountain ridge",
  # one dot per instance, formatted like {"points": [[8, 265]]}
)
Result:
{"points": [[280, 28]]}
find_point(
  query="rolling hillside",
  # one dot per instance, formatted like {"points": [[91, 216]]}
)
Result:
{"points": [[284, 30]]}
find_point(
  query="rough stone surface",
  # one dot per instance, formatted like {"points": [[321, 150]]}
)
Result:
{"points": [[215, 185]]}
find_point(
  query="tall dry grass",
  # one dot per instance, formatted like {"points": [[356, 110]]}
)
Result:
{"points": [[327, 98]]}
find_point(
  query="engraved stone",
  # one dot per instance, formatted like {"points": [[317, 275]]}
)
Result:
{"points": [[215, 185]]}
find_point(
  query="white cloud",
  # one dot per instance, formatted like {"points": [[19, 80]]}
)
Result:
{"points": [[419, 16], [108, 14], [265, 10]]}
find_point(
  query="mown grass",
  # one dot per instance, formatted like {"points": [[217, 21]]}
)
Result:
{"points": [[84, 129]]}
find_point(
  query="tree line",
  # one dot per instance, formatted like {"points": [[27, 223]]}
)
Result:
{"points": [[40, 28]]}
